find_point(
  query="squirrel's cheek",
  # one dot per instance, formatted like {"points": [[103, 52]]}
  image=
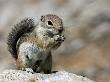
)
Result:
{"points": [[55, 31]]}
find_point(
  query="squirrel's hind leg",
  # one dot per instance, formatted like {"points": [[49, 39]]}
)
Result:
{"points": [[47, 64], [23, 61]]}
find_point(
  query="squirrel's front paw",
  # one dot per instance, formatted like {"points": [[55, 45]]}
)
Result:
{"points": [[60, 38]]}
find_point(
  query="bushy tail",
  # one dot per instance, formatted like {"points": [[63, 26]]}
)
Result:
{"points": [[25, 26]]}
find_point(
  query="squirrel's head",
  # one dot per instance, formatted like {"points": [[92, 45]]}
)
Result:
{"points": [[52, 23], [50, 28]]}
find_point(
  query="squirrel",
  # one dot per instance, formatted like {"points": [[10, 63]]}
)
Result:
{"points": [[31, 44]]}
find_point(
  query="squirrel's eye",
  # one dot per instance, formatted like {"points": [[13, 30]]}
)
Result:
{"points": [[50, 23]]}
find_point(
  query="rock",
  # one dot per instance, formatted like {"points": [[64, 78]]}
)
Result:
{"points": [[24, 76]]}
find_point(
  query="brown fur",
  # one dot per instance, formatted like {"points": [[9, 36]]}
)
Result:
{"points": [[32, 38]]}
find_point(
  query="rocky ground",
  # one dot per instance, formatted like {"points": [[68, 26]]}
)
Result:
{"points": [[87, 30], [23, 76]]}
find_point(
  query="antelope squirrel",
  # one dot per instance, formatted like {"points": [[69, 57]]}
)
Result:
{"points": [[31, 44]]}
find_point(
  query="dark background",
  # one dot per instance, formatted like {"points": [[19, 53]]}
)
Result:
{"points": [[86, 50]]}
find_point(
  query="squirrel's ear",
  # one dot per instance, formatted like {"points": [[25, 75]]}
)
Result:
{"points": [[42, 18]]}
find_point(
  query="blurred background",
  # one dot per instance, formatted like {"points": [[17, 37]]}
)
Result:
{"points": [[86, 50]]}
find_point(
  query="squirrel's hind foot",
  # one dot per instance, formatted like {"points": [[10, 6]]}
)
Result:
{"points": [[29, 70]]}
